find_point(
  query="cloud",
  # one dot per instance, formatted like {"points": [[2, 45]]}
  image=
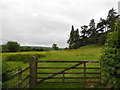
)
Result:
{"points": [[44, 22]]}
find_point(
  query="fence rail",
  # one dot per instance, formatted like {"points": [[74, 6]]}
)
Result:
{"points": [[21, 81], [43, 61], [70, 78], [20, 78], [71, 82], [67, 67], [71, 73], [21, 71]]}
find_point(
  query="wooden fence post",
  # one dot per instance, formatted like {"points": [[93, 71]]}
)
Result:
{"points": [[19, 77], [33, 71], [101, 80], [85, 72], [63, 77]]}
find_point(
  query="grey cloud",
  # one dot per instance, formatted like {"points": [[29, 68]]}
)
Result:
{"points": [[44, 22]]}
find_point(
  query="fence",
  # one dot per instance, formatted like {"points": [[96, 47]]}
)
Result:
{"points": [[21, 79], [34, 80]]}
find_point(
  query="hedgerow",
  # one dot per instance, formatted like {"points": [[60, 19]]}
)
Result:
{"points": [[111, 58]]}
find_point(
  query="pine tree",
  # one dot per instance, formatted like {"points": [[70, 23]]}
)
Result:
{"points": [[71, 38], [85, 34], [111, 19], [74, 38], [93, 32], [84, 31], [101, 26]]}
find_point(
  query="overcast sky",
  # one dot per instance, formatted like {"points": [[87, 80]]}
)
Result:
{"points": [[44, 22]]}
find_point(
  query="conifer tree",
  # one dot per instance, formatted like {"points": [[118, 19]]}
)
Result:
{"points": [[92, 31], [74, 38], [71, 38], [85, 34], [111, 19]]}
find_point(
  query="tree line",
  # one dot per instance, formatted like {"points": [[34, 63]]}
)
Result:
{"points": [[94, 33], [12, 46]]}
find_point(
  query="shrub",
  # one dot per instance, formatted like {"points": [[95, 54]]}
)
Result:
{"points": [[6, 74], [111, 58]]}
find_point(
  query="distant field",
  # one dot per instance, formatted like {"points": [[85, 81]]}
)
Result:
{"points": [[20, 59]]}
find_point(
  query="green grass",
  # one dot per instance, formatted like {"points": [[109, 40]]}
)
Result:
{"points": [[86, 53]]}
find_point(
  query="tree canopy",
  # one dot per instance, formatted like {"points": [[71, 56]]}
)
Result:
{"points": [[11, 46], [54, 46], [94, 33]]}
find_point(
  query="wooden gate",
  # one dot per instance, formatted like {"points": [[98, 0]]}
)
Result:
{"points": [[36, 78], [64, 69]]}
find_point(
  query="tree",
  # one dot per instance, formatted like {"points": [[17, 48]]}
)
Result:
{"points": [[93, 32], [101, 31], [101, 26], [71, 38], [85, 34], [4, 48], [66, 48], [74, 39], [54, 46], [111, 19], [101, 38], [84, 31], [12, 46]]}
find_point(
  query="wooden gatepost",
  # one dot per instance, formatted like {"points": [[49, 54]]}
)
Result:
{"points": [[33, 71]]}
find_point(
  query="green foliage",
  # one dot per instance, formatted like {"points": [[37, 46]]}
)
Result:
{"points": [[11, 46], [54, 46], [112, 39], [4, 48], [74, 38], [102, 38], [111, 58], [111, 19], [28, 48], [66, 48], [6, 73]]}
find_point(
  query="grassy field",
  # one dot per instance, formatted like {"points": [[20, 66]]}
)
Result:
{"points": [[88, 53]]}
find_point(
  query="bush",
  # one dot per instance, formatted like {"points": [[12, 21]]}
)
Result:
{"points": [[6, 74], [111, 58]]}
